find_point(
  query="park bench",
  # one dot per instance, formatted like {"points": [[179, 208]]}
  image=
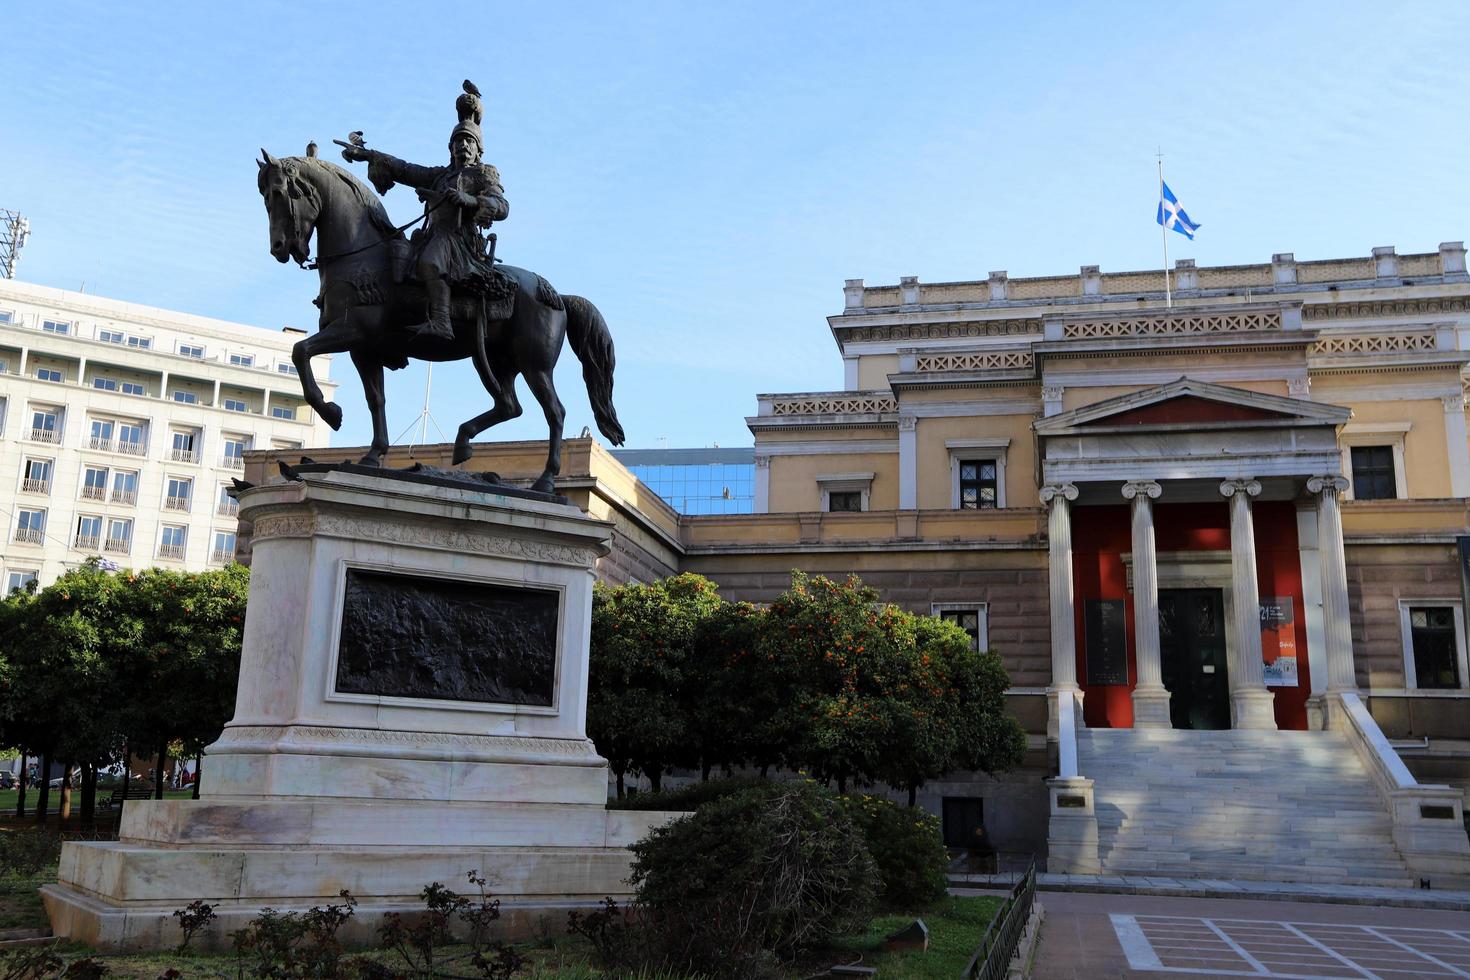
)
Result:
{"points": [[136, 791]]}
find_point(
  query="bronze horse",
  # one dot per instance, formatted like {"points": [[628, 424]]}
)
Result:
{"points": [[366, 313]]}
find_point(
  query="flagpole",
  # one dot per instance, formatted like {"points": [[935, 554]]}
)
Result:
{"points": [[1164, 237]]}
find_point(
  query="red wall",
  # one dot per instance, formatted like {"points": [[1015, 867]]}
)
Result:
{"points": [[1102, 535]]}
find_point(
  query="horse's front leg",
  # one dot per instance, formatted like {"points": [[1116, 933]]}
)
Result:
{"points": [[338, 336], [370, 369]]}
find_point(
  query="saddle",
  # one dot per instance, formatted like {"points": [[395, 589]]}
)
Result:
{"points": [[494, 290]]}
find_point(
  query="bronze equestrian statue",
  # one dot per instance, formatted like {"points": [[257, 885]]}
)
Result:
{"points": [[457, 304]]}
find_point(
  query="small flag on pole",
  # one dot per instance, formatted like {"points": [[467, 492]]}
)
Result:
{"points": [[1171, 215]]}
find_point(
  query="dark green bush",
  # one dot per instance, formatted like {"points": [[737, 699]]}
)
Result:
{"points": [[754, 878], [906, 845], [26, 853], [690, 797]]}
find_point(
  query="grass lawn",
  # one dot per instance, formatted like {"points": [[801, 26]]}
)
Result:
{"points": [[955, 928], [7, 798]]}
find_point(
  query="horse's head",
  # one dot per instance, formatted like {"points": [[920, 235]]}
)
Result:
{"points": [[292, 202]]}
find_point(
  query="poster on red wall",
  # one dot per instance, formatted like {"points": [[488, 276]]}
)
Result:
{"points": [[1278, 640]]}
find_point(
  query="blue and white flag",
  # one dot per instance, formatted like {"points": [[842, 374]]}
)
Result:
{"points": [[1171, 215]]}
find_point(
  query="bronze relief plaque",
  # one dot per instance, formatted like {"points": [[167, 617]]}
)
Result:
{"points": [[410, 636]]}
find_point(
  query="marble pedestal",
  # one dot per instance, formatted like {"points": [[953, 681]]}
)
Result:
{"points": [[363, 756]]}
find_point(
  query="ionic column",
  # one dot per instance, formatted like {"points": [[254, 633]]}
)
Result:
{"points": [[1337, 626], [1058, 498], [1251, 703], [1150, 698]]}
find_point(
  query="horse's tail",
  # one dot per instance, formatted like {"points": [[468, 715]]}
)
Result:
{"points": [[478, 356], [591, 342]]}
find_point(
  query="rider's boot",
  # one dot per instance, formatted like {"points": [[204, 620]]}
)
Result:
{"points": [[437, 325]]}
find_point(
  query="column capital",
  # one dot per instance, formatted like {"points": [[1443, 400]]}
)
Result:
{"points": [[1067, 491], [762, 461], [907, 423], [1146, 488], [1250, 488], [1327, 484], [1453, 403]]}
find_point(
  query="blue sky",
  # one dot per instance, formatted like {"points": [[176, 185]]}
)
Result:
{"points": [[709, 174]]}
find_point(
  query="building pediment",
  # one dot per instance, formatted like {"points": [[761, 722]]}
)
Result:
{"points": [[1192, 404]]}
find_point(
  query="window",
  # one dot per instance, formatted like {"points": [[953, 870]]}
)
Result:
{"points": [[140, 343], [191, 350], [187, 397], [1373, 473], [972, 618], [226, 506], [233, 456], [101, 437], [48, 374], [110, 336], [89, 532], [94, 483], [176, 493], [21, 580], [242, 360], [7, 316], [125, 487], [1434, 644], [845, 491], [130, 439], [978, 484], [236, 405], [224, 547], [173, 541], [844, 500], [105, 384], [44, 427], [183, 448], [56, 326], [37, 478], [277, 412], [119, 535], [290, 445], [30, 526], [285, 368], [133, 388]]}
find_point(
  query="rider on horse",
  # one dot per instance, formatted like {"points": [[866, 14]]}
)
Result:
{"points": [[458, 200]]}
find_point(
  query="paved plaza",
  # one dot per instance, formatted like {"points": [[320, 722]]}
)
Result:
{"points": [[1136, 936]]}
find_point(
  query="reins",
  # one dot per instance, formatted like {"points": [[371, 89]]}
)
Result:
{"points": [[322, 260]]}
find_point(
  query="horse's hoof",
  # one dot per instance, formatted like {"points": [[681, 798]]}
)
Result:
{"points": [[462, 452], [544, 485], [331, 413], [371, 459]]}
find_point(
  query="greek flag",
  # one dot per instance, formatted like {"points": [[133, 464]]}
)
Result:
{"points": [[1171, 215]]}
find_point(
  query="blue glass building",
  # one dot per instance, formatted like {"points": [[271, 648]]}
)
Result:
{"points": [[696, 481]]}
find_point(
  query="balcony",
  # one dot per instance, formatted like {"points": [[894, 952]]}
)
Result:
{"points": [[132, 448], [129, 497], [172, 551], [118, 546], [175, 503], [94, 493], [228, 508], [221, 556], [183, 455], [35, 486], [101, 445], [29, 535], [87, 542], [46, 435], [228, 462]]}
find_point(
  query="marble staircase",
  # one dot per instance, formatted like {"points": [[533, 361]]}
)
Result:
{"points": [[1261, 805]]}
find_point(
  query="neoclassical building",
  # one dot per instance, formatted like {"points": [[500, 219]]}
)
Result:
{"points": [[1216, 543]]}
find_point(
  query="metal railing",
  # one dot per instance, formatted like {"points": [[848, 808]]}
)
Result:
{"points": [[132, 448], [182, 455], [118, 545], [30, 535], [175, 503], [992, 959], [125, 496], [102, 445], [94, 493], [232, 462], [222, 556], [86, 542], [35, 486], [228, 508], [174, 551], [45, 435]]}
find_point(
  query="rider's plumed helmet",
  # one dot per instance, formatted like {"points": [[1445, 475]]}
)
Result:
{"points": [[470, 111]]}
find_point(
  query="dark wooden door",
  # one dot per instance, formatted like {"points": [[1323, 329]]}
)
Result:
{"points": [[1192, 650], [962, 816]]}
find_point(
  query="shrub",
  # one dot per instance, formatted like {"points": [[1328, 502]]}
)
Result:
{"points": [[26, 853], [906, 845], [690, 797], [753, 877]]}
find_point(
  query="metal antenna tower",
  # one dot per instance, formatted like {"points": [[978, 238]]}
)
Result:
{"points": [[14, 230], [425, 419]]}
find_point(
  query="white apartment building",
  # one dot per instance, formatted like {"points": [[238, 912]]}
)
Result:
{"points": [[122, 425]]}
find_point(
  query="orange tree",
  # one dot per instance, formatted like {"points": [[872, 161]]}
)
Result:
{"points": [[638, 694]]}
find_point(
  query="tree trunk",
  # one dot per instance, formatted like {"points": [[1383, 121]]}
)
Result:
{"points": [[913, 793], [43, 798], [198, 771], [158, 770], [89, 797], [765, 769], [622, 793], [127, 773], [65, 792], [20, 796], [704, 772], [655, 778], [842, 784]]}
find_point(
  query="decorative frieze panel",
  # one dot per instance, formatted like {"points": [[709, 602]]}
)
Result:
{"points": [[838, 403], [1380, 343], [1018, 327], [1253, 321], [996, 360], [1384, 308]]}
